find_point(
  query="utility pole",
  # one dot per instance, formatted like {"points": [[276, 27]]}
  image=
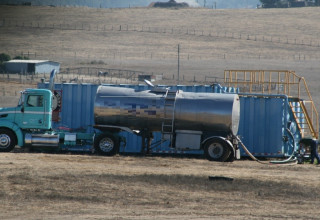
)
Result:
{"points": [[178, 62]]}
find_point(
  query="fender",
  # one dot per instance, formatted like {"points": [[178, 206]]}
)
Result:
{"points": [[111, 126], [229, 144], [16, 129]]}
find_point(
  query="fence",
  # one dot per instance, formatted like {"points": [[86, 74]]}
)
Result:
{"points": [[117, 55], [164, 30], [105, 76]]}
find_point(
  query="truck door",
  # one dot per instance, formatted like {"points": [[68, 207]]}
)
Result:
{"points": [[33, 113]]}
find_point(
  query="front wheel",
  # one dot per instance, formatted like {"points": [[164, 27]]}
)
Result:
{"points": [[7, 140], [216, 150], [106, 144]]}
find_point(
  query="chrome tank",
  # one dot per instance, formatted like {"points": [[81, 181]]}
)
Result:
{"points": [[42, 140], [137, 110]]}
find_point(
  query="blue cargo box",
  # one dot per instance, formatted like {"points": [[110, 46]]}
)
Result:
{"points": [[267, 126]]}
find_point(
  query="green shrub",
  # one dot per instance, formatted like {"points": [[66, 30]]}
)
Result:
{"points": [[21, 58], [4, 57]]}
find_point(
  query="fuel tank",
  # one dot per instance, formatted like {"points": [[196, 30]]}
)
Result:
{"points": [[151, 109]]}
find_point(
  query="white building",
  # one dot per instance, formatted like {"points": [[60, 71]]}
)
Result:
{"points": [[31, 66]]}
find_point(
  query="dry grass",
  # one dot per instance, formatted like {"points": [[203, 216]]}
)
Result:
{"points": [[210, 40], [44, 186], [79, 186]]}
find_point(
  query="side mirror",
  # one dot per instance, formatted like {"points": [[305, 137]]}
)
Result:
{"points": [[22, 109]]}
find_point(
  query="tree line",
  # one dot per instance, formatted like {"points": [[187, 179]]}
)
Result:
{"points": [[288, 3]]}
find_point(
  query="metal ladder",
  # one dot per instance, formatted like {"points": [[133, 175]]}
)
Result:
{"points": [[168, 119]]}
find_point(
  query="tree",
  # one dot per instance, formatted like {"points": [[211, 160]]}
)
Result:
{"points": [[21, 58], [4, 57], [268, 3]]}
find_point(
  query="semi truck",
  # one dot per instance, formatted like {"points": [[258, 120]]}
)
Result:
{"points": [[186, 120]]}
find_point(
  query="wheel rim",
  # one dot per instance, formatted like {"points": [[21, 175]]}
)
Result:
{"points": [[5, 141], [215, 150], [106, 144]]}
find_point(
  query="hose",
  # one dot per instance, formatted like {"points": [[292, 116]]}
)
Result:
{"points": [[248, 152], [266, 163], [291, 158]]}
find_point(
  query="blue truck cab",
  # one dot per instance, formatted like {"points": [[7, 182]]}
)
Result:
{"points": [[29, 124], [33, 112]]}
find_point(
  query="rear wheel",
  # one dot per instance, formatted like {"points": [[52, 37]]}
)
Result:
{"points": [[7, 140], [106, 144], [216, 150]]}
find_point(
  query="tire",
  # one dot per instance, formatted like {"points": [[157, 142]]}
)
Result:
{"points": [[216, 150], [106, 145], [231, 157], [7, 140]]}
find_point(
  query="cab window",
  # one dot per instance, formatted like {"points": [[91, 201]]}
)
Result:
{"points": [[35, 101]]}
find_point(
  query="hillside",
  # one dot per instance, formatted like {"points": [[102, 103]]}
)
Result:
{"points": [[147, 39], [135, 3]]}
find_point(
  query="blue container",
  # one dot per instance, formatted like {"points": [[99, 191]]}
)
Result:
{"points": [[267, 126]]}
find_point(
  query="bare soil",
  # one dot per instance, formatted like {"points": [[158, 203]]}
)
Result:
{"points": [[54, 186]]}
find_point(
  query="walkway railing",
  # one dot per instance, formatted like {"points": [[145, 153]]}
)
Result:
{"points": [[279, 82]]}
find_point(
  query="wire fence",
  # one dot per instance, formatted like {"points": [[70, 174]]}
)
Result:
{"points": [[116, 57], [100, 76], [311, 42], [165, 55]]}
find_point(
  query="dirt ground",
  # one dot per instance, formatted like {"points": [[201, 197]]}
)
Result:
{"points": [[55, 186]]}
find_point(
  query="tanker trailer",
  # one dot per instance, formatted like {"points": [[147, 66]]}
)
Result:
{"points": [[187, 120]]}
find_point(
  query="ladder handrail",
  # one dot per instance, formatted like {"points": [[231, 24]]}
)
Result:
{"points": [[283, 82], [313, 132]]}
